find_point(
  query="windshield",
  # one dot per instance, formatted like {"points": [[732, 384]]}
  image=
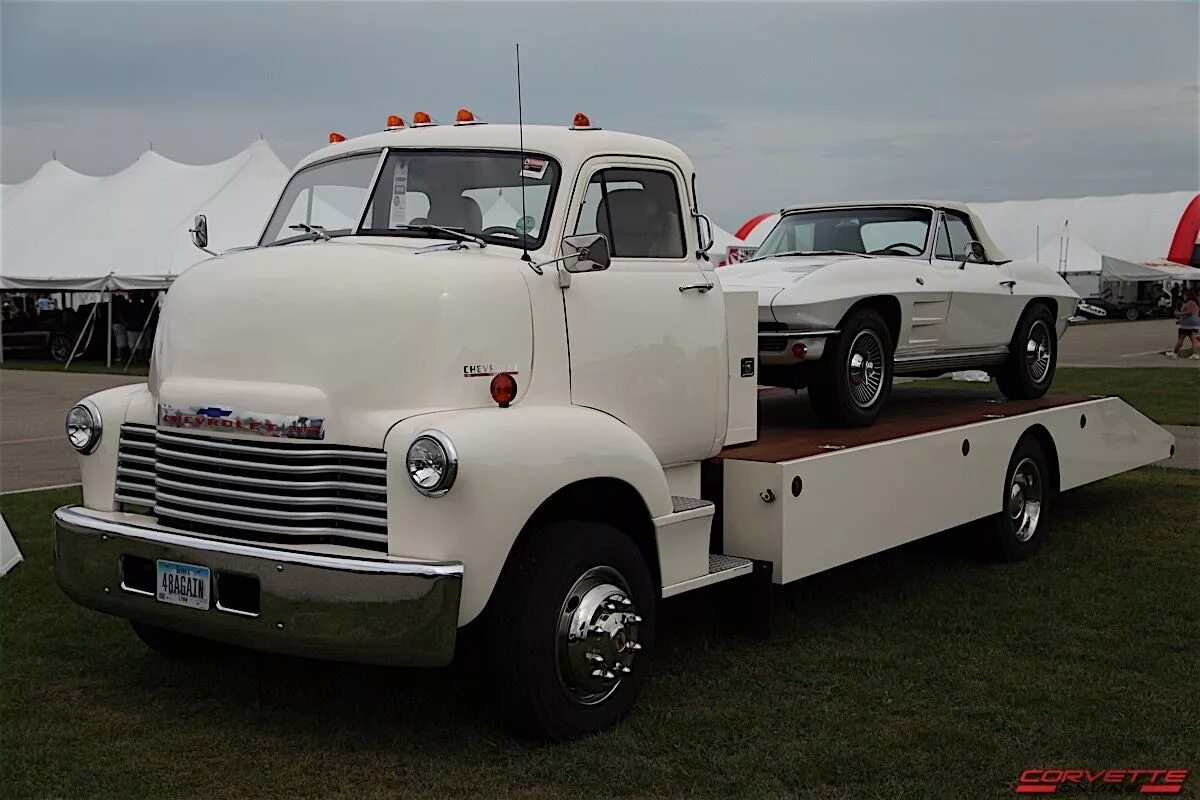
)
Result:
{"points": [[900, 231], [476, 192]]}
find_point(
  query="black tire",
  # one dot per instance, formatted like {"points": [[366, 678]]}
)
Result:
{"points": [[846, 397], [1018, 531], [1132, 314], [175, 645], [1032, 356], [59, 347], [543, 692]]}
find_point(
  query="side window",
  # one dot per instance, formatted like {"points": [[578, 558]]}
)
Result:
{"points": [[941, 247], [637, 209], [960, 234]]}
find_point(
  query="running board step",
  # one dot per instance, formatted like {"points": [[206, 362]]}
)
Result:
{"points": [[720, 568]]}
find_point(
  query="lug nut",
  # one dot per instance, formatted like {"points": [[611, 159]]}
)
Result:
{"points": [[621, 668], [634, 646], [603, 673], [593, 656], [632, 619]]}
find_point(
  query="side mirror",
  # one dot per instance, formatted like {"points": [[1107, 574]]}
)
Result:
{"points": [[974, 253], [200, 232], [590, 253]]}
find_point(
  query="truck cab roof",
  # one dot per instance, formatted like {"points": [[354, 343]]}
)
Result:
{"points": [[560, 142]]}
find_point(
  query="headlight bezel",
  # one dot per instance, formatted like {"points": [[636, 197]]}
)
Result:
{"points": [[97, 427], [449, 472]]}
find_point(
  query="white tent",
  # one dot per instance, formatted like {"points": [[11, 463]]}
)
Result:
{"points": [[61, 230]]}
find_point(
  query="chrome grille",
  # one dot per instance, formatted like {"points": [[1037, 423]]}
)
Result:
{"points": [[267, 491], [135, 465]]}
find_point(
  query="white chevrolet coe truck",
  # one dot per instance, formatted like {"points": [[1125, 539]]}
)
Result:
{"points": [[478, 376]]}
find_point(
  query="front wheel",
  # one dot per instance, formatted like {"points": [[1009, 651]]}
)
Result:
{"points": [[856, 372], [1032, 356], [1132, 314], [60, 347], [571, 630]]}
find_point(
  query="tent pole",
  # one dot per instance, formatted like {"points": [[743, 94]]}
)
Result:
{"points": [[145, 327], [108, 343], [79, 338]]}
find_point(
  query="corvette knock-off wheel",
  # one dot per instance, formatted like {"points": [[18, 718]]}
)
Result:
{"points": [[1032, 356], [850, 389]]}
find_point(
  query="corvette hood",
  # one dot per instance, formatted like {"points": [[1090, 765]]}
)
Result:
{"points": [[358, 335], [771, 276]]}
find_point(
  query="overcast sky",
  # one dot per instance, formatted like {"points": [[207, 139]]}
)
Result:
{"points": [[776, 103]]}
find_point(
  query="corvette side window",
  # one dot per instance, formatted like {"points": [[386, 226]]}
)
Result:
{"points": [[637, 209], [960, 235]]}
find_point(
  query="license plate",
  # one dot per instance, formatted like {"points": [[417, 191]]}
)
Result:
{"points": [[183, 584]]}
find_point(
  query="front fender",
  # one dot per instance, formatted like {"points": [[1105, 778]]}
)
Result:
{"points": [[98, 469], [510, 460]]}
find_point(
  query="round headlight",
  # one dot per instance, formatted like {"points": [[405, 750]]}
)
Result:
{"points": [[83, 427], [432, 463]]}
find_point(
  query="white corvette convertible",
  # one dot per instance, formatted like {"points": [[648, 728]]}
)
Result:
{"points": [[852, 295]]}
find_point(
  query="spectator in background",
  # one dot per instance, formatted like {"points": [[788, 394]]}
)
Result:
{"points": [[1189, 325], [43, 303], [120, 326]]}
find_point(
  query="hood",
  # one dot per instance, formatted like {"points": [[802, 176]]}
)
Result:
{"points": [[358, 334], [770, 276]]}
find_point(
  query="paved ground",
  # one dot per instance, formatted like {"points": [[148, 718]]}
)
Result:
{"points": [[1187, 447], [1122, 344], [33, 449]]}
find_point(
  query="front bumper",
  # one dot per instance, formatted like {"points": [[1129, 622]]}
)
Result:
{"points": [[776, 347], [369, 610]]}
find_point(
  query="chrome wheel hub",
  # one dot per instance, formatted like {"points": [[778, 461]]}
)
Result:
{"points": [[1025, 499], [1038, 350], [864, 368], [597, 636]]}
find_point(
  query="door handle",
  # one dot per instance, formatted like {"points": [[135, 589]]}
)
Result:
{"points": [[699, 287], [1009, 284], [920, 281]]}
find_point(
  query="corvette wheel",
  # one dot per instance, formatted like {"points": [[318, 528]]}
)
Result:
{"points": [[1032, 356], [857, 372]]}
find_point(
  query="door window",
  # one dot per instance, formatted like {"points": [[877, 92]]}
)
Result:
{"points": [[638, 211], [960, 234]]}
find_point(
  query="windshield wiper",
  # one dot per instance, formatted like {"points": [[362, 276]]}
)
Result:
{"points": [[457, 234], [812, 253], [315, 230]]}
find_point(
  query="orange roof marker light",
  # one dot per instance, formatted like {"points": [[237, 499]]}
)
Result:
{"points": [[334, 138], [394, 122], [465, 117], [582, 123], [422, 120]]}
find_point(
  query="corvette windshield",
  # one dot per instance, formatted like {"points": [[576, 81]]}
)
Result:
{"points": [[418, 192], [881, 231]]}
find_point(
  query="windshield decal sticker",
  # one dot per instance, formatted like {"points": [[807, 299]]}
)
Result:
{"points": [[398, 213], [534, 168]]}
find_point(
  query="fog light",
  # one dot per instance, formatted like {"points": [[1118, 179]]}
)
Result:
{"points": [[432, 463], [799, 350], [84, 427]]}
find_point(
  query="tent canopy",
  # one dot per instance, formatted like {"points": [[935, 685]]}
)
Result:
{"points": [[61, 230]]}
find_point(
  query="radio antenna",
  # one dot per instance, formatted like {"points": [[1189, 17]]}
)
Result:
{"points": [[524, 231]]}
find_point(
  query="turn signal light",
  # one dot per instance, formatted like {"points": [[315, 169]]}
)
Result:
{"points": [[394, 122], [421, 119], [334, 138], [799, 350], [504, 389]]}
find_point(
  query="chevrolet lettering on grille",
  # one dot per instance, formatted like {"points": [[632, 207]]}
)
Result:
{"points": [[215, 418]]}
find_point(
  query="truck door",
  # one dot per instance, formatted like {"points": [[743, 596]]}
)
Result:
{"points": [[646, 337]]}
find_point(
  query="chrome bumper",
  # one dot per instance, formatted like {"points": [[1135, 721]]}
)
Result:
{"points": [[309, 604]]}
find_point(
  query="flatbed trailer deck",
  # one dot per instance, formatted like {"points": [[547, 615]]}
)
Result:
{"points": [[807, 498]]}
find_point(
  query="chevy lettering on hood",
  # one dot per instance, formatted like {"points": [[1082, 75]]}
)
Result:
{"points": [[210, 418]]}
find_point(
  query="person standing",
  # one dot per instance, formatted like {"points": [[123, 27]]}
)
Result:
{"points": [[1189, 325]]}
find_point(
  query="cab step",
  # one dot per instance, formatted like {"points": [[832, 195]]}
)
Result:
{"points": [[720, 568]]}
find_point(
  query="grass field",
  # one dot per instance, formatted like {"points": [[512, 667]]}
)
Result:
{"points": [[1169, 396], [917, 673]]}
